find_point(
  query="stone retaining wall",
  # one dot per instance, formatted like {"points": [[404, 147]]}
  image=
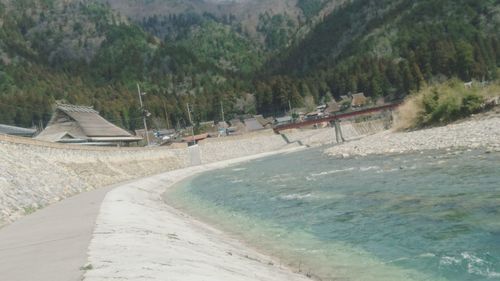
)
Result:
{"points": [[34, 174], [221, 149]]}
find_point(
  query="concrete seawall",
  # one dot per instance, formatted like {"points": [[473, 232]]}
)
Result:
{"points": [[219, 149], [35, 174]]}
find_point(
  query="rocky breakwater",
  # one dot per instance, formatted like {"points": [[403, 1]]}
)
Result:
{"points": [[35, 174], [477, 132]]}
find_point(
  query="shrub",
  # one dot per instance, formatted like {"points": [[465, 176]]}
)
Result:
{"points": [[443, 103], [471, 103]]}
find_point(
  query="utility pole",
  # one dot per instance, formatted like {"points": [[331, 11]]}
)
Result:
{"points": [[143, 112], [222, 111], [41, 125], [166, 114], [191, 121]]}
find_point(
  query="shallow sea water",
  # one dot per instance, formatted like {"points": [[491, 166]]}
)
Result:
{"points": [[423, 216]]}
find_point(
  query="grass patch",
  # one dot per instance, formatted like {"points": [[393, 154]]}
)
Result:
{"points": [[29, 210], [87, 267], [444, 103]]}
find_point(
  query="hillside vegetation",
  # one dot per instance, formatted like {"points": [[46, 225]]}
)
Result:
{"points": [[286, 52], [391, 47], [83, 53], [445, 103]]}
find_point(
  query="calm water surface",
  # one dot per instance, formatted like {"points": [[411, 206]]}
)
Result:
{"points": [[422, 216]]}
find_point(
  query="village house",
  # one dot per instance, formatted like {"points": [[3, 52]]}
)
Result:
{"points": [[358, 100], [83, 125], [332, 107], [314, 115]]}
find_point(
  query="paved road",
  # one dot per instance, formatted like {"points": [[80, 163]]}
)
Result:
{"points": [[51, 244]]}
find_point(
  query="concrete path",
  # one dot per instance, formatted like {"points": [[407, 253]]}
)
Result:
{"points": [[52, 243]]}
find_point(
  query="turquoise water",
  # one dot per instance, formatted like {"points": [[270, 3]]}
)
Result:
{"points": [[422, 216]]}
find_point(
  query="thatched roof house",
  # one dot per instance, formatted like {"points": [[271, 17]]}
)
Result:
{"points": [[359, 100], [83, 124], [332, 107]]}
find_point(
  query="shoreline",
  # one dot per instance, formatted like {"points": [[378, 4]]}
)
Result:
{"points": [[474, 133], [138, 236]]}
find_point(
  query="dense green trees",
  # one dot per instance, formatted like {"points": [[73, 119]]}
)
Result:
{"points": [[310, 8], [393, 47], [82, 52]]}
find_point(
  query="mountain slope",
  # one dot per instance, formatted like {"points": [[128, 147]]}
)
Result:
{"points": [[392, 47], [207, 52], [263, 21], [83, 53]]}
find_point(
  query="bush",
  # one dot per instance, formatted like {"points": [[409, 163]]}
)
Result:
{"points": [[442, 104], [471, 103]]}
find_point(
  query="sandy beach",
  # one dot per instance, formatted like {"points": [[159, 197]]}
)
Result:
{"points": [[139, 237]]}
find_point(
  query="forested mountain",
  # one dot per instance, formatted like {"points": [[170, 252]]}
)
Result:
{"points": [[252, 55], [390, 48], [84, 53], [265, 21]]}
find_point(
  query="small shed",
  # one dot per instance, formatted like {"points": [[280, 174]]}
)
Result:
{"points": [[283, 120], [83, 124]]}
